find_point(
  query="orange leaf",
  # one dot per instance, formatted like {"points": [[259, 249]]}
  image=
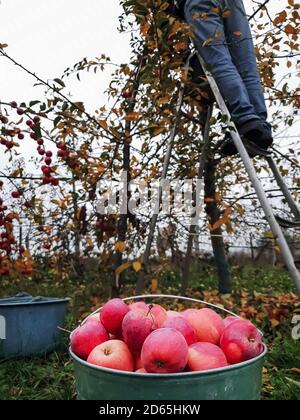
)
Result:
{"points": [[132, 116], [104, 124]]}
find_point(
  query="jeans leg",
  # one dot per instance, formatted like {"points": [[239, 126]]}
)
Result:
{"points": [[207, 24], [239, 38]]}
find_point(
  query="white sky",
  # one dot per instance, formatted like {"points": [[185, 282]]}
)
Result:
{"points": [[49, 36]]}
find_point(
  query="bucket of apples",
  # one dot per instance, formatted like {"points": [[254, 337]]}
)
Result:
{"points": [[131, 349]]}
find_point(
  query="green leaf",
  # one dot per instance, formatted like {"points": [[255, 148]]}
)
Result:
{"points": [[60, 82], [32, 103], [56, 121]]}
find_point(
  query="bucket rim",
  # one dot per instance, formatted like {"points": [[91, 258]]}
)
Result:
{"points": [[33, 302], [168, 375]]}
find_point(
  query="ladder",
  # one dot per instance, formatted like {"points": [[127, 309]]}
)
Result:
{"points": [[276, 223]]}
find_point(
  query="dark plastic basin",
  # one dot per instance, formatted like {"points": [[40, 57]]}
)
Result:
{"points": [[29, 325]]}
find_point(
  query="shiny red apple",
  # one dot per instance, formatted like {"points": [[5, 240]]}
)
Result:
{"points": [[205, 356], [207, 324], [241, 341], [112, 315], [164, 351], [113, 354], [87, 336], [183, 326]]}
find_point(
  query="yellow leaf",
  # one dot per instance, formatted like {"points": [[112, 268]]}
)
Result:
{"points": [[120, 270], [90, 242], [120, 246], [137, 266], [274, 323], [154, 285]]}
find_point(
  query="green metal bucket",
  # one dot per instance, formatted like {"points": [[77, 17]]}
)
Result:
{"points": [[242, 381]]}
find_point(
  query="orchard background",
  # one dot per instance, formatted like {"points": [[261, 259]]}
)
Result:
{"points": [[57, 146]]}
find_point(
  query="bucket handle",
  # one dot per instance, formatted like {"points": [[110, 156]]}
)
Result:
{"points": [[168, 297]]}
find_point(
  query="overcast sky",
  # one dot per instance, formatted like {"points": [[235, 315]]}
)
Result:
{"points": [[49, 36]]}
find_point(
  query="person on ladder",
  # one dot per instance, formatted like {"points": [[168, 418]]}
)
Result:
{"points": [[223, 38]]}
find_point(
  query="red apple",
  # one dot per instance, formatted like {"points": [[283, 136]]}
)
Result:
{"points": [[16, 194], [207, 324], [164, 351], [86, 337], [139, 305], [183, 326], [112, 315], [241, 341], [159, 315], [126, 94], [229, 320], [137, 362], [172, 314], [94, 317], [205, 356], [113, 354], [136, 327]]}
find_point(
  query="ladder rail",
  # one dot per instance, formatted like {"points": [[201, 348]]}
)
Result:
{"points": [[283, 187], [267, 208]]}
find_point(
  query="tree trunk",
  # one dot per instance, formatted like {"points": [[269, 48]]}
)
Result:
{"points": [[77, 235], [123, 220], [194, 227], [217, 241], [122, 223]]}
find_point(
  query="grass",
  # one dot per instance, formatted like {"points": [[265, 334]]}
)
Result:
{"points": [[264, 296]]}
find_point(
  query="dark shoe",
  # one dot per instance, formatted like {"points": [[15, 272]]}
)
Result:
{"points": [[255, 133]]}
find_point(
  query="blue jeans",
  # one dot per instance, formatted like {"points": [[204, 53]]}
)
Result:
{"points": [[223, 38]]}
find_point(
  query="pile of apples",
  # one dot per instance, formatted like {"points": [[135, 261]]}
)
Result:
{"points": [[149, 339]]}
